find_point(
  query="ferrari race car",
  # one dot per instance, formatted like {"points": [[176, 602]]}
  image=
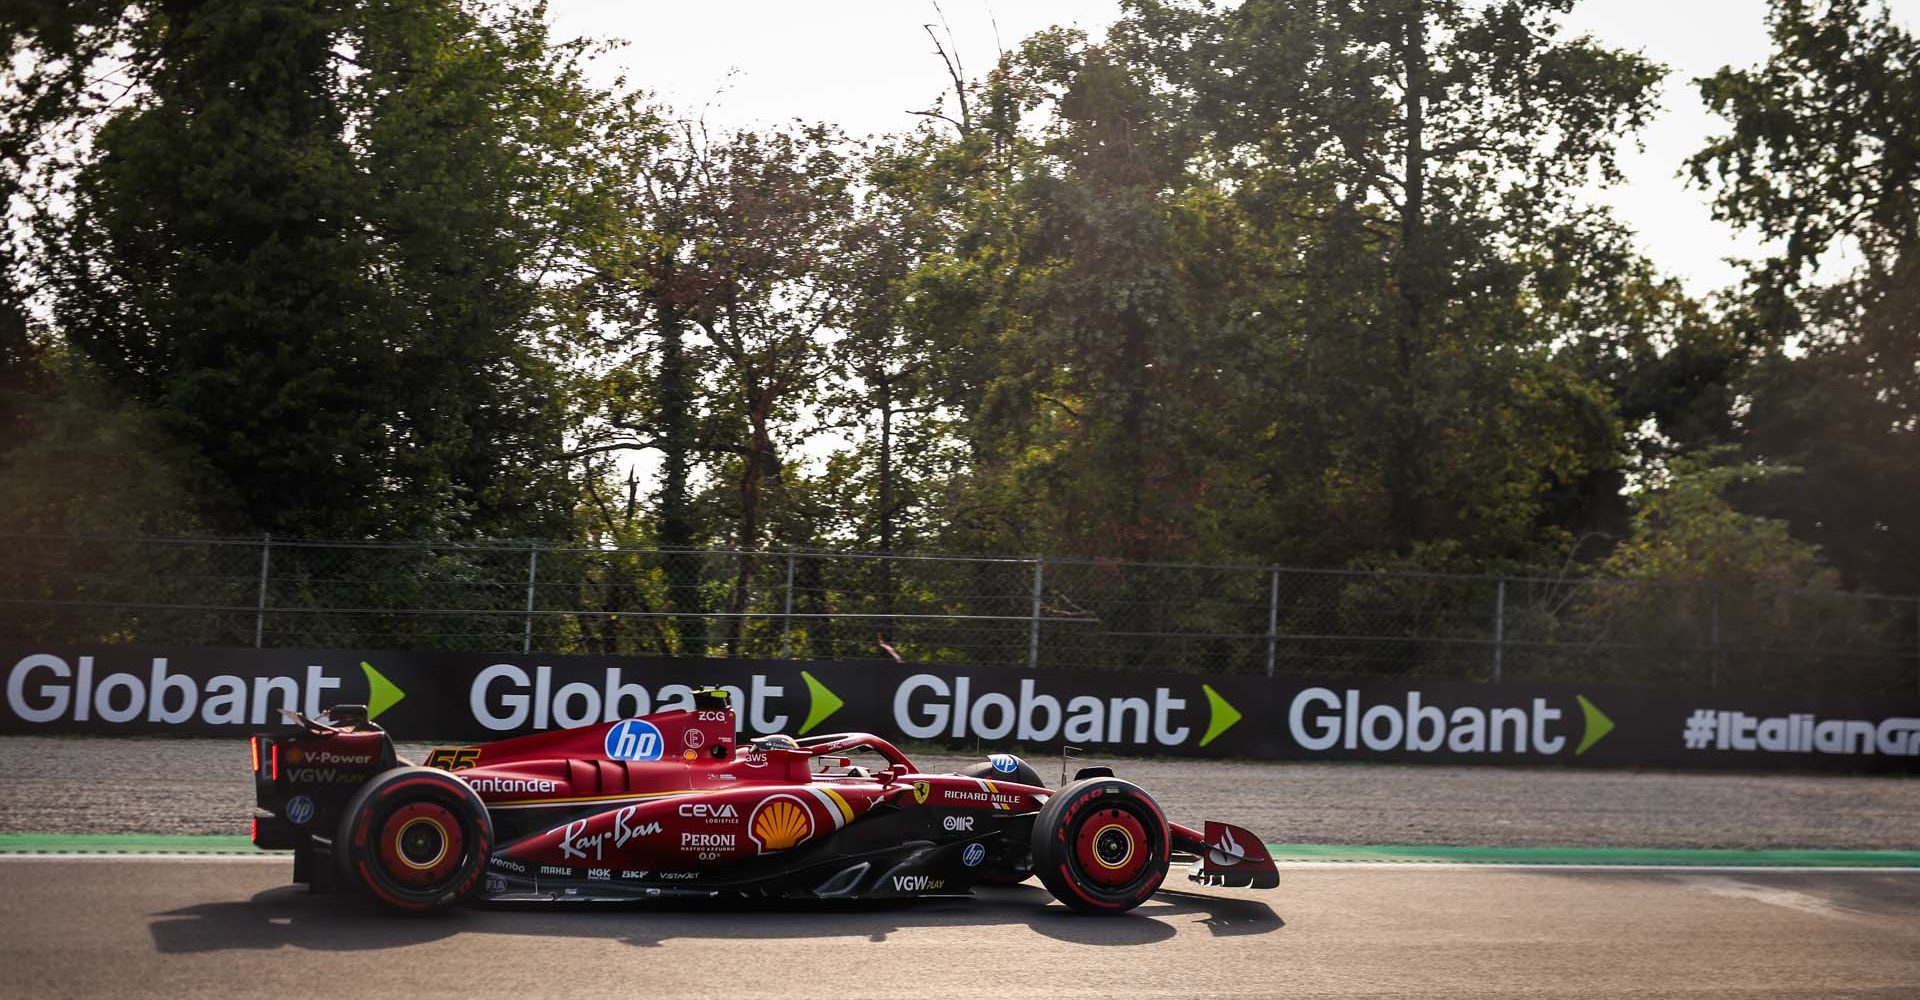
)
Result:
{"points": [[673, 805]]}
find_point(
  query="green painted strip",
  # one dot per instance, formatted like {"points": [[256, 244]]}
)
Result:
{"points": [[143, 843], [1596, 856], [123, 843]]}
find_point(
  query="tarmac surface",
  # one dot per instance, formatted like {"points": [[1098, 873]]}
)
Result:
{"points": [[215, 928], [201, 786]]}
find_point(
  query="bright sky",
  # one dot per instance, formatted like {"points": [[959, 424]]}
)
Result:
{"points": [[865, 64]]}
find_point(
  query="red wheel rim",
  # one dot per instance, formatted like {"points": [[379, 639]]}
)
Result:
{"points": [[1111, 847], [420, 844]]}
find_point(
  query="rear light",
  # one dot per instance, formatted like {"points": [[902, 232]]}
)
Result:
{"points": [[253, 830], [274, 757], [254, 742]]}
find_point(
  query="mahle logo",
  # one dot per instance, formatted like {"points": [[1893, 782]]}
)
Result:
{"points": [[1323, 719]]}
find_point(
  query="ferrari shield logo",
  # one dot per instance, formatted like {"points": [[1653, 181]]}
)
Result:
{"points": [[922, 789]]}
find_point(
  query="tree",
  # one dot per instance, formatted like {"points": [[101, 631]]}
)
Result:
{"points": [[1822, 159], [1402, 160], [312, 247]]}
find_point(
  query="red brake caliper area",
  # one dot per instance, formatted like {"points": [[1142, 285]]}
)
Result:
{"points": [[420, 843], [1111, 847]]}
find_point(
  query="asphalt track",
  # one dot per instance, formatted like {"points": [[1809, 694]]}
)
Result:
{"points": [[231, 927]]}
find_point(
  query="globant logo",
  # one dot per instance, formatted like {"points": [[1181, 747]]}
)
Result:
{"points": [[1798, 732], [505, 697], [1322, 719], [44, 688], [926, 706]]}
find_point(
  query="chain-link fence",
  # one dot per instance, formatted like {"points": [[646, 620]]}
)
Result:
{"points": [[1039, 612]]}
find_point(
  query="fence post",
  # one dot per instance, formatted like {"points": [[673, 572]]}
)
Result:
{"points": [[1273, 615], [1499, 626], [260, 611], [786, 630], [533, 569], [1916, 644], [1713, 663], [1033, 627]]}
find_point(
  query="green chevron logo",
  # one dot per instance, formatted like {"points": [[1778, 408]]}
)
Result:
{"points": [[382, 694], [1598, 724], [821, 703], [1220, 715]]}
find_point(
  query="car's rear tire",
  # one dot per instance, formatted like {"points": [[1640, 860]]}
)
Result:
{"points": [[414, 839], [1101, 845]]}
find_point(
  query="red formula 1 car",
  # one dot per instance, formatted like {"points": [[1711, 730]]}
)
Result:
{"points": [[671, 805]]}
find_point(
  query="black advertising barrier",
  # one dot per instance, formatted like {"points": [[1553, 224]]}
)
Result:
{"points": [[476, 697]]}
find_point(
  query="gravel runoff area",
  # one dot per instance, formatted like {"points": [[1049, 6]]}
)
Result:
{"points": [[200, 786]]}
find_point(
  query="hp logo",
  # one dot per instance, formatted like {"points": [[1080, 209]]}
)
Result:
{"points": [[973, 855], [634, 739], [299, 810]]}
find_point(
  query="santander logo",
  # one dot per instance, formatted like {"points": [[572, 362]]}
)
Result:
{"points": [[1227, 852]]}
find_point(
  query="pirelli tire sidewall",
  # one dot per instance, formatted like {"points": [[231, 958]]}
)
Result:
{"points": [[1080, 815], [430, 805]]}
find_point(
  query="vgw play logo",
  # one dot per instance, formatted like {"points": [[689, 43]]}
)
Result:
{"points": [[927, 706], [1321, 719]]}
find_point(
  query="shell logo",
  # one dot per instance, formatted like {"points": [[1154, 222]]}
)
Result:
{"points": [[779, 822]]}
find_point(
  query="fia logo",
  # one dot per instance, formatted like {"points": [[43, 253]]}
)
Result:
{"points": [[633, 739], [299, 810]]}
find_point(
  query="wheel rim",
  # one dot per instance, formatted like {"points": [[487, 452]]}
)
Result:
{"points": [[420, 844], [1111, 847]]}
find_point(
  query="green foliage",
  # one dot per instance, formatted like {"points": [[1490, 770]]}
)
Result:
{"points": [[1307, 283], [312, 249], [1686, 530], [1822, 158]]}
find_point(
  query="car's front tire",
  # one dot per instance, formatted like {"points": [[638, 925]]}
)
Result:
{"points": [[1101, 845]]}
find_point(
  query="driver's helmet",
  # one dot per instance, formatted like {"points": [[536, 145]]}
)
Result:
{"points": [[778, 741]]}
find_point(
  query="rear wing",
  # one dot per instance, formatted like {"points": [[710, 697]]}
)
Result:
{"points": [[1228, 856]]}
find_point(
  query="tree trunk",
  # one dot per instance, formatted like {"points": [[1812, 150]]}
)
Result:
{"points": [[759, 461], [681, 565], [1404, 475], [886, 508]]}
